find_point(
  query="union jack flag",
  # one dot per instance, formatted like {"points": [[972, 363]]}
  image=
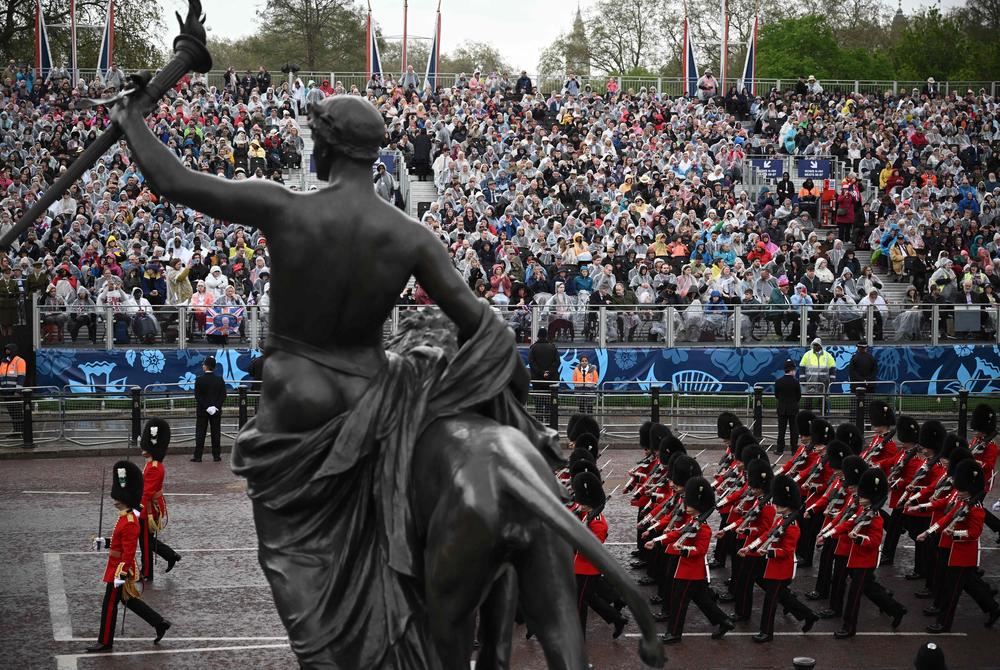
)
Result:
{"points": [[223, 320]]}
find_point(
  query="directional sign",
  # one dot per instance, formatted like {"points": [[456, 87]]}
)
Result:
{"points": [[814, 168], [771, 168]]}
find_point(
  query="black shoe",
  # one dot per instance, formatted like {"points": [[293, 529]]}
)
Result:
{"points": [[635, 553], [655, 600], [937, 629], [670, 639], [637, 565], [721, 630], [779, 452], [196, 460], [898, 619], [619, 627], [716, 564], [843, 634], [216, 458], [726, 597], [992, 618], [912, 576], [762, 637], [815, 595], [923, 594], [99, 648], [931, 611], [646, 581], [738, 619], [171, 563], [660, 617], [827, 614], [161, 630], [528, 634], [809, 623]]}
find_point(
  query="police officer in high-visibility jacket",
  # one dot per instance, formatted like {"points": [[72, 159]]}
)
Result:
{"points": [[818, 366], [13, 371]]}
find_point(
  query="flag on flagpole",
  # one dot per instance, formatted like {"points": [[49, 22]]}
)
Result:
{"points": [[690, 66], [434, 57], [43, 56], [374, 60], [74, 75], [748, 82], [724, 54], [106, 57]]}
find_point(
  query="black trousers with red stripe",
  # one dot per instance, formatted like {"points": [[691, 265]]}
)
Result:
{"points": [[749, 570], [893, 531], [956, 580], [838, 583], [149, 545], [666, 567], [806, 547], [776, 592], [588, 597], [109, 613], [937, 583], [824, 575], [915, 525], [863, 582], [683, 591]]}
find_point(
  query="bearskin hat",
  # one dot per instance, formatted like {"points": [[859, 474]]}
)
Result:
{"points": [[656, 434], [683, 468], [155, 438], [580, 455], [587, 441], [957, 455], [737, 435], [785, 492], [969, 477], [671, 445], [984, 419], [587, 490], [874, 486], [930, 657], [821, 432], [932, 435], [698, 494], [907, 430], [584, 465], [951, 441], [644, 435], [850, 435], [880, 413], [759, 475], [580, 424], [836, 452], [803, 420], [751, 453], [126, 484], [726, 422], [854, 467]]}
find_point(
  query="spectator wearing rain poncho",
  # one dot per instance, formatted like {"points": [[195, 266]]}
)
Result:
{"points": [[850, 285]]}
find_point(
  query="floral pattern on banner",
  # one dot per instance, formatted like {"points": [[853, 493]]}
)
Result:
{"points": [[926, 370]]}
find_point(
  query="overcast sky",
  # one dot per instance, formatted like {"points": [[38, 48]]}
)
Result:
{"points": [[520, 29]]}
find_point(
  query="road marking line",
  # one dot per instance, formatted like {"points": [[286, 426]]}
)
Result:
{"points": [[177, 549], [62, 627], [819, 633], [193, 495], [56, 493], [69, 661], [283, 638]]}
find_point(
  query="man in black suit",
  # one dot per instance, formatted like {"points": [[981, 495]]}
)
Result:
{"points": [[788, 393], [543, 362], [210, 396]]}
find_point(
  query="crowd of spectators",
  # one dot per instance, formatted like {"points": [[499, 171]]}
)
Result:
{"points": [[559, 202]]}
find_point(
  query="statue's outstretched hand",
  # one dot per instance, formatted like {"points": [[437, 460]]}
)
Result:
{"points": [[131, 103]]}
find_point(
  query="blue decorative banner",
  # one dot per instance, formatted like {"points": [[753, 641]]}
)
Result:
{"points": [[919, 370]]}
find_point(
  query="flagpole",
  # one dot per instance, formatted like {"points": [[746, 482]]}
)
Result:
{"points": [[72, 42], [38, 37], [406, 9], [437, 51], [368, 43], [684, 54], [724, 54]]}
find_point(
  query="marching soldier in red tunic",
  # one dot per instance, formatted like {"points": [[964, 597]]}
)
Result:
{"points": [[753, 514], [835, 532], [729, 430], [812, 471], [828, 503], [121, 574], [932, 435], [775, 545], [881, 451], [984, 449], [690, 544], [803, 420], [866, 542], [964, 525], [900, 475], [153, 516]]}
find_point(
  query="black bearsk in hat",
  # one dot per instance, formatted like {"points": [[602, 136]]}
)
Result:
{"points": [[752, 452], [580, 424], [656, 434], [698, 494], [881, 414], [580, 454], [126, 484], [907, 430], [803, 420], [644, 435], [850, 435], [669, 446], [969, 477], [932, 435], [835, 454], [874, 486], [821, 432], [725, 424], [683, 468], [155, 438], [583, 465], [587, 441], [956, 456], [854, 467], [759, 474], [785, 492], [984, 419], [587, 490]]}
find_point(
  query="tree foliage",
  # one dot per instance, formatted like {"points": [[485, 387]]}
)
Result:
{"points": [[135, 22], [627, 34], [316, 34], [470, 56]]}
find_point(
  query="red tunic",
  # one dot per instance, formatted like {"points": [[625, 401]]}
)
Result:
{"points": [[867, 548], [692, 562], [987, 457], [909, 470], [881, 453], [153, 502], [931, 476], [965, 550], [121, 551], [599, 527], [781, 555], [761, 525], [787, 465]]}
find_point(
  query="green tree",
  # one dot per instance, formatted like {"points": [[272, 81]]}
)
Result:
{"points": [[470, 56], [628, 34], [317, 34], [933, 45], [135, 22]]}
